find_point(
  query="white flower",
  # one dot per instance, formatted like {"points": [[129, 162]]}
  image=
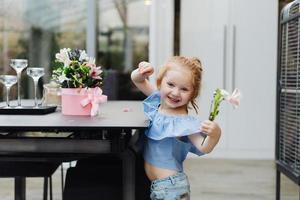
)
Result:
{"points": [[91, 61], [224, 93], [83, 56], [62, 78], [63, 56]]}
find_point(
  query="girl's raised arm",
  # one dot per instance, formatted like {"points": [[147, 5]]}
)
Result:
{"points": [[139, 78]]}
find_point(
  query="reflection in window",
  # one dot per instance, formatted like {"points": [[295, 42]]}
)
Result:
{"points": [[36, 30], [122, 43]]}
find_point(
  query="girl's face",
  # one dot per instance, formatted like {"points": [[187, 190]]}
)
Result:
{"points": [[176, 89]]}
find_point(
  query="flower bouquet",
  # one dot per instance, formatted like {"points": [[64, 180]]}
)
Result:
{"points": [[219, 96], [80, 80]]}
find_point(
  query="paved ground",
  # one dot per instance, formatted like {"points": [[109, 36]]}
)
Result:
{"points": [[211, 179]]}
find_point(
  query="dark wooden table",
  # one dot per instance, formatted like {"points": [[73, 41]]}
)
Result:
{"points": [[114, 127]]}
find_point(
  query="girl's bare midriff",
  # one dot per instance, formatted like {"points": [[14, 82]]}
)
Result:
{"points": [[154, 173]]}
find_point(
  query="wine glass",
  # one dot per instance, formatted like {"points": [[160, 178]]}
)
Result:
{"points": [[8, 81], [18, 65], [35, 73]]}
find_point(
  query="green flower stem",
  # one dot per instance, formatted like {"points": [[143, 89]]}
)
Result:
{"points": [[218, 98], [76, 80]]}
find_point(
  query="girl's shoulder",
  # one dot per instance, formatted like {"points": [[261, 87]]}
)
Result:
{"points": [[151, 104]]}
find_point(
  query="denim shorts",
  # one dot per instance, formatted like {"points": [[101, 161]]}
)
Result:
{"points": [[174, 187]]}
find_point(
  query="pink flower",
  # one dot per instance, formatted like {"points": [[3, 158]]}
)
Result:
{"points": [[235, 97], [95, 72]]}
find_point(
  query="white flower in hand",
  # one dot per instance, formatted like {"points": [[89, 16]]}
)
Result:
{"points": [[224, 93]]}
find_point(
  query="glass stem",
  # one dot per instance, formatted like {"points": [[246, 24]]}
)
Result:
{"points": [[35, 97], [19, 88], [7, 96]]}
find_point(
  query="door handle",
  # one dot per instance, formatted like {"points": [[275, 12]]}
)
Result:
{"points": [[224, 57], [233, 56]]}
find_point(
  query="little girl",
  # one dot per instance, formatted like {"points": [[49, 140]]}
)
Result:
{"points": [[173, 133]]}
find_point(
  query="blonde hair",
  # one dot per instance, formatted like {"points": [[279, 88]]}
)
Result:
{"points": [[193, 65]]}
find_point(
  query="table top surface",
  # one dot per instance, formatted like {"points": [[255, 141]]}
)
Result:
{"points": [[113, 114]]}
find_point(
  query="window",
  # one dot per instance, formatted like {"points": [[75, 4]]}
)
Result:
{"points": [[123, 37], [36, 30]]}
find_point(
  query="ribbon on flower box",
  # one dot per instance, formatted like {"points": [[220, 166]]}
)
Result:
{"points": [[82, 101]]}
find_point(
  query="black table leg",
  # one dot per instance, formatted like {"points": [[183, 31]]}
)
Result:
{"points": [[277, 185], [20, 188], [50, 189], [45, 194], [62, 180], [128, 166]]}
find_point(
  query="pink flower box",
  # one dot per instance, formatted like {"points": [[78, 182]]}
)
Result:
{"points": [[70, 102], [81, 101]]}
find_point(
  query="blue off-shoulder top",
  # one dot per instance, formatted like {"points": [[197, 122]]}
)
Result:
{"points": [[166, 144]]}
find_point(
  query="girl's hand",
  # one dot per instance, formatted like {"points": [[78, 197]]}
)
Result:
{"points": [[211, 129], [213, 132], [139, 78], [145, 69]]}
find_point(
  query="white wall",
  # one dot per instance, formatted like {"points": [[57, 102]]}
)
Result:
{"points": [[237, 42], [207, 31]]}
